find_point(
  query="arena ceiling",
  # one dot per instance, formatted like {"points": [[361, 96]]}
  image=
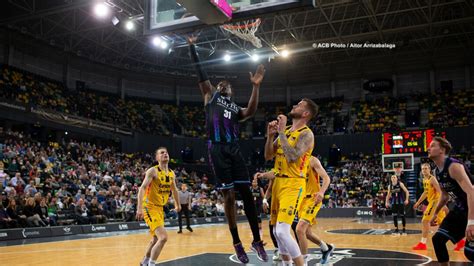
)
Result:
{"points": [[418, 28]]}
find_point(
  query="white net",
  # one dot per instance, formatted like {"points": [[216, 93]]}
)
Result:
{"points": [[245, 30]]}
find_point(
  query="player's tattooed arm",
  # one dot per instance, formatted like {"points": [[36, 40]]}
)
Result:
{"points": [[303, 144]]}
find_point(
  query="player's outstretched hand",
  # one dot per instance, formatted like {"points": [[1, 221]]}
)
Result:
{"points": [[139, 215], [178, 208], [257, 78]]}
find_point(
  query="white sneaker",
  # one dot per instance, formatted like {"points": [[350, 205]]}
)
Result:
{"points": [[276, 255]]}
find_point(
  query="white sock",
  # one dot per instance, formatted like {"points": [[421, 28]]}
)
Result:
{"points": [[323, 246], [423, 240], [152, 263], [145, 260]]}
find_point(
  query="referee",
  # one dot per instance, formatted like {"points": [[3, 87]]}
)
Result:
{"points": [[185, 200]]}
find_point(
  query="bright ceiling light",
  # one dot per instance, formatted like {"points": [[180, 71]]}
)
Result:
{"points": [[130, 25], [101, 10], [255, 57], [157, 41], [285, 53], [227, 57]]}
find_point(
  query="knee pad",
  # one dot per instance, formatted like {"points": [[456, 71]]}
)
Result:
{"points": [[281, 245], [283, 232], [469, 250]]}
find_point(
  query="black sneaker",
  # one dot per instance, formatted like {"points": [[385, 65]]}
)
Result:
{"points": [[180, 231], [396, 232], [240, 252], [326, 255], [404, 232], [261, 253], [189, 229]]}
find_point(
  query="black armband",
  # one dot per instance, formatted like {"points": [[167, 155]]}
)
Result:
{"points": [[202, 75]]}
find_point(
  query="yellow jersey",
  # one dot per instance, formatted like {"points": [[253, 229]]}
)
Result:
{"points": [[312, 182], [430, 190], [158, 192], [299, 168]]}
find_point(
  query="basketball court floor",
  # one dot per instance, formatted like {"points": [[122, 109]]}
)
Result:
{"points": [[358, 242]]}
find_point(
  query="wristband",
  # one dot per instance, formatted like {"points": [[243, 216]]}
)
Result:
{"points": [[470, 222], [265, 201]]}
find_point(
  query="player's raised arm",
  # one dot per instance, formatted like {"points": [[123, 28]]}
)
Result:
{"points": [[149, 175], [204, 84], [256, 80], [304, 142], [270, 143]]}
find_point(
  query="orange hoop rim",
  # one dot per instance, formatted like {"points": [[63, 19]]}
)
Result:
{"points": [[243, 26]]}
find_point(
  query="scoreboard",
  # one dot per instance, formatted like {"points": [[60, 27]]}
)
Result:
{"points": [[415, 141]]}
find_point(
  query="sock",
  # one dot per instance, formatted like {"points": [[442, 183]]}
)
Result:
{"points": [[395, 221], [235, 235], [323, 246], [250, 209], [152, 263], [404, 222], [145, 260], [423, 240]]}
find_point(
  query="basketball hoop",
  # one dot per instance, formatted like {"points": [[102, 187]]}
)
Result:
{"points": [[245, 30]]}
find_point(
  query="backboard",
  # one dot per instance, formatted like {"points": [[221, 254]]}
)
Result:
{"points": [[167, 16], [405, 161]]}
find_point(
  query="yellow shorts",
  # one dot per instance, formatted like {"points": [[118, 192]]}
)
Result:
{"points": [[309, 210], [287, 194], [429, 212], [154, 217]]}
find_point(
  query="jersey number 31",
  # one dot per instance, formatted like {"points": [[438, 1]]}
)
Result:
{"points": [[227, 114]]}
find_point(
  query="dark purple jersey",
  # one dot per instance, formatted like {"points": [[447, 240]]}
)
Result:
{"points": [[222, 119]]}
